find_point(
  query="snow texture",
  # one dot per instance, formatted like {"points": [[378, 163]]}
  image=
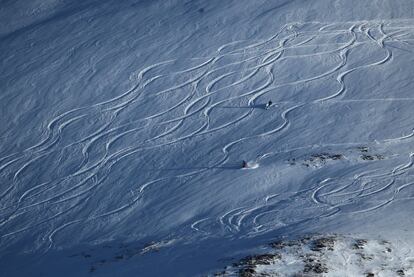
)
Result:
{"points": [[124, 124]]}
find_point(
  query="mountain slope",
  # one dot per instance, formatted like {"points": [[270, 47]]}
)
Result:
{"points": [[124, 127]]}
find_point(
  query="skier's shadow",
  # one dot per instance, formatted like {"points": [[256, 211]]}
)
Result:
{"points": [[228, 166], [257, 106], [224, 167]]}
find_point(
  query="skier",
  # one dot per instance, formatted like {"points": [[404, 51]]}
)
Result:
{"points": [[244, 164], [268, 104]]}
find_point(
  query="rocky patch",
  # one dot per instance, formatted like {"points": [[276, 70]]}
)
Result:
{"points": [[333, 255]]}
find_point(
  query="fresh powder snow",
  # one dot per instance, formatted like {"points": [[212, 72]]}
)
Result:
{"points": [[126, 128]]}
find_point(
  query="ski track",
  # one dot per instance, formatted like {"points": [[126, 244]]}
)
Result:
{"points": [[200, 93]]}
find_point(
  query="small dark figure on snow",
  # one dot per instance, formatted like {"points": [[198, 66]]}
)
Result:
{"points": [[244, 164], [268, 104]]}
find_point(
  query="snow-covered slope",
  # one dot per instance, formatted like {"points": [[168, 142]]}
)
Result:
{"points": [[124, 125]]}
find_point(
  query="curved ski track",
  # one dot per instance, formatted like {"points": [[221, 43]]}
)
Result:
{"points": [[200, 92]]}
